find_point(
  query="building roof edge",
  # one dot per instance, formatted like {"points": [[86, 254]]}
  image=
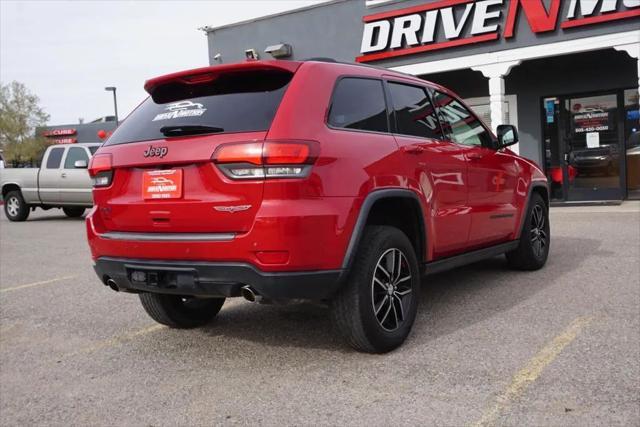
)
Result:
{"points": [[208, 30]]}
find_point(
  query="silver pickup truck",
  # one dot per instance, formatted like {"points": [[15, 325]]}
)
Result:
{"points": [[62, 181]]}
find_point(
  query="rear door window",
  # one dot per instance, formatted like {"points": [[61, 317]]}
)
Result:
{"points": [[55, 156], [244, 101], [414, 112], [359, 103]]}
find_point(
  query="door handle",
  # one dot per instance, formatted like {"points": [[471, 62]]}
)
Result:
{"points": [[474, 156], [412, 149], [63, 174], [569, 158]]}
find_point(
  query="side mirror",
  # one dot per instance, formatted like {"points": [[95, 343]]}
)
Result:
{"points": [[80, 164], [507, 135]]}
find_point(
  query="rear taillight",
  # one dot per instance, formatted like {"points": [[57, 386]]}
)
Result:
{"points": [[269, 159], [101, 170]]}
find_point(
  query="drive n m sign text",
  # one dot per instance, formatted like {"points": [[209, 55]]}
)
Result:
{"points": [[448, 23]]}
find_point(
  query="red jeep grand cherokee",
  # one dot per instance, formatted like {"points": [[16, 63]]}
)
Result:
{"points": [[317, 180]]}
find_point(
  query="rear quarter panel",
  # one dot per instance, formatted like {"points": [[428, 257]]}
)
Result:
{"points": [[351, 164]]}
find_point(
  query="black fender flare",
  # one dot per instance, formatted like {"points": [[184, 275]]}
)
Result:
{"points": [[534, 184], [10, 185], [358, 229]]}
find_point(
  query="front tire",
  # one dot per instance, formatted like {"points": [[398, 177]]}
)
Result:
{"points": [[376, 308], [73, 211], [15, 208], [180, 312], [535, 238]]}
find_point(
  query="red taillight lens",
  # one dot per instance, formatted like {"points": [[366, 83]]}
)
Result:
{"points": [[285, 153], [100, 163], [247, 152], [269, 159], [101, 170]]}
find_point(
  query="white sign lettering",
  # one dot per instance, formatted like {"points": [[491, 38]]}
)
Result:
{"points": [[405, 27], [482, 15], [368, 44], [451, 30], [391, 34]]}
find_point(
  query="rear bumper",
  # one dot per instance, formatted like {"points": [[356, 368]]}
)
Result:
{"points": [[306, 234], [215, 279]]}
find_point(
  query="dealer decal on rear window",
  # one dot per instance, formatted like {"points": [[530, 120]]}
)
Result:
{"points": [[181, 109]]}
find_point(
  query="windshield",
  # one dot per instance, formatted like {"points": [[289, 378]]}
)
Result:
{"points": [[243, 101]]}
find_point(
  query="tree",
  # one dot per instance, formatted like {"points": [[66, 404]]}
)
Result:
{"points": [[20, 114]]}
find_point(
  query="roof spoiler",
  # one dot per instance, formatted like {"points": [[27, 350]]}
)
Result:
{"points": [[207, 74]]}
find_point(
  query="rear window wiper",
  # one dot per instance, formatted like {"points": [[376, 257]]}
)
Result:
{"points": [[189, 129]]}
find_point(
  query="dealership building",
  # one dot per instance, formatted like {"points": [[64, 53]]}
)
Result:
{"points": [[93, 132], [565, 72]]}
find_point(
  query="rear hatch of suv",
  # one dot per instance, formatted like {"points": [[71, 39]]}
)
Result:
{"points": [[190, 157]]}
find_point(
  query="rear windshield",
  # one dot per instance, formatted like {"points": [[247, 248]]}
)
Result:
{"points": [[234, 102]]}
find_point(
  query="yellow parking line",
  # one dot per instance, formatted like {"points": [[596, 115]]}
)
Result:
{"points": [[112, 342], [29, 285], [532, 371]]}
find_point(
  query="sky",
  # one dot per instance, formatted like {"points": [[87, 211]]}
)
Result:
{"points": [[67, 52]]}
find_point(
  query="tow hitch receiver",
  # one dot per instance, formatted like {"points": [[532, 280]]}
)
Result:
{"points": [[166, 279]]}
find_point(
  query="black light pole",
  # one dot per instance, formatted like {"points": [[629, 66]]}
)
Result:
{"points": [[115, 102]]}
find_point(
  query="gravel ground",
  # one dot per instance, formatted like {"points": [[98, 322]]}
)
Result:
{"points": [[560, 346]]}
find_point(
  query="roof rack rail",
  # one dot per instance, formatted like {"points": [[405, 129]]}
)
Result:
{"points": [[321, 59], [358, 64]]}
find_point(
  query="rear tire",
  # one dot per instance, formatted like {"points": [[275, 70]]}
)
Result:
{"points": [[73, 212], [375, 310], [15, 208], [180, 312], [535, 237]]}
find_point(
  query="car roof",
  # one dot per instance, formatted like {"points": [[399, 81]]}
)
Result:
{"points": [[381, 72]]}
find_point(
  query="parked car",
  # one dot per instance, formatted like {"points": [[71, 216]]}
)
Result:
{"points": [[602, 160], [310, 180], [62, 181]]}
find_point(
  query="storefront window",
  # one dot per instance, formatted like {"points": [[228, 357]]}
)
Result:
{"points": [[553, 150], [593, 142], [632, 142], [583, 147], [483, 111]]}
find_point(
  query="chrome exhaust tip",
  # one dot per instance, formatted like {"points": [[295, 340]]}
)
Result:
{"points": [[112, 284], [249, 294]]}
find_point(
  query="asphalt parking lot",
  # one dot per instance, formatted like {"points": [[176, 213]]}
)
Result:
{"points": [[560, 346]]}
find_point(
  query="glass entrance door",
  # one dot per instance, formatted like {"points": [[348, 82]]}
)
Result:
{"points": [[632, 142], [583, 147]]}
